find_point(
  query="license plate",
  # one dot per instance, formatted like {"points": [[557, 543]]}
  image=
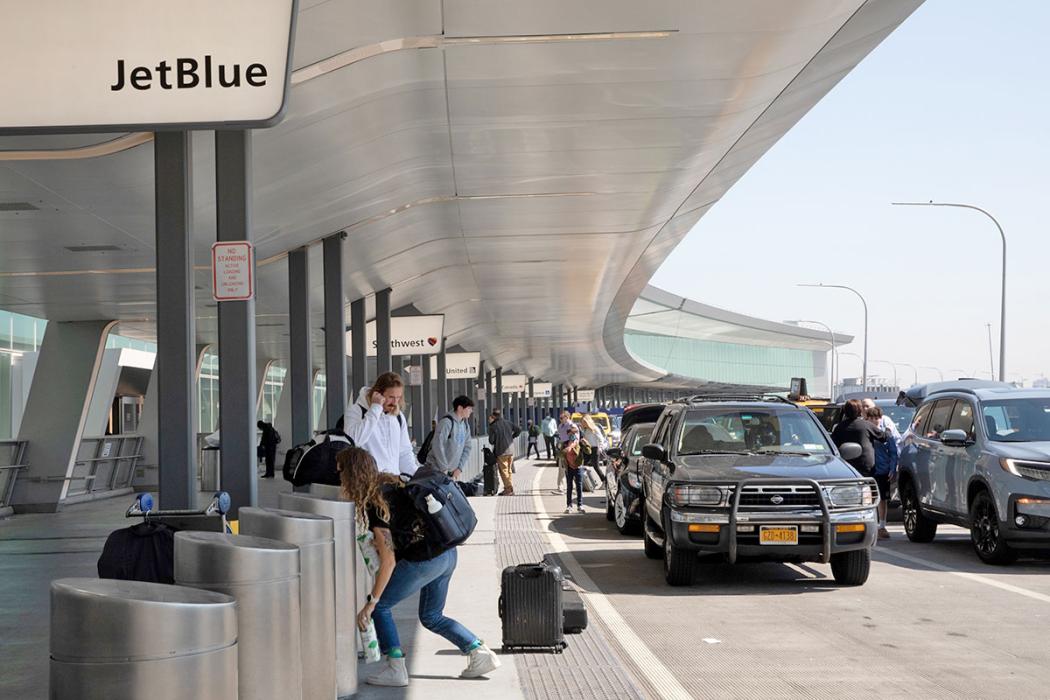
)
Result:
{"points": [[778, 535]]}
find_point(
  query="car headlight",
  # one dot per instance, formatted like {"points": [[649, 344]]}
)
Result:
{"points": [[686, 495], [1031, 470], [849, 495], [633, 481]]}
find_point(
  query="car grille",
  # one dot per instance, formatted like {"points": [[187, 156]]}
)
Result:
{"points": [[776, 497]]}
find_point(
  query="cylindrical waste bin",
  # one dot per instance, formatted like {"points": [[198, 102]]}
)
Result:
{"points": [[348, 597], [263, 575], [126, 640], [210, 472], [313, 534], [325, 491]]}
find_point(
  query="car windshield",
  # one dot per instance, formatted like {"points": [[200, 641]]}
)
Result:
{"points": [[1017, 420], [900, 415], [641, 437], [743, 431]]}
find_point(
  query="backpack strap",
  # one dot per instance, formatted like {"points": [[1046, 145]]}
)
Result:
{"points": [[400, 418]]}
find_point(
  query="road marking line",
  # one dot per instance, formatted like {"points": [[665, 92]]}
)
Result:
{"points": [[977, 578], [644, 660]]}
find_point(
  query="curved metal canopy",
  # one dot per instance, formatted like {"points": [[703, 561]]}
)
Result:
{"points": [[522, 168]]}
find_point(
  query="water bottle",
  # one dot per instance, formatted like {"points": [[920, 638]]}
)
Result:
{"points": [[370, 643], [433, 504]]}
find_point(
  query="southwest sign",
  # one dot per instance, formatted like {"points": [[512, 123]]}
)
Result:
{"points": [[123, 65], [458, 365], [409, 335]]}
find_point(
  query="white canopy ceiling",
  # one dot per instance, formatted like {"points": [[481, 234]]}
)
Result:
{"points": [[520, 167]]}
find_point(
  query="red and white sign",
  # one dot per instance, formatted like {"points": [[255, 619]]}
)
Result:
{"points": [[232, 271]]}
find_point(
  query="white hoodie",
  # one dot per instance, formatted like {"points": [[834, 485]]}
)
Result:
{"points": [[384, 436]]}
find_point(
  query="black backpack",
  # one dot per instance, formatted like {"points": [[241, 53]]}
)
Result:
{"points": [[143, 552], [316, 464], [424, 451], [454, 522]]}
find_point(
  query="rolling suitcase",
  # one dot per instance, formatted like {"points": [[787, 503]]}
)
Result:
{"points": [[574, 619], [488, 471], [531, 607]]}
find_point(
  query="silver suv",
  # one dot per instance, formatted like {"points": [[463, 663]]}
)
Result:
{"points": [[977, 454]]}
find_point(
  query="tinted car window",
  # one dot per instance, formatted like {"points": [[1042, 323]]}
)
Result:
{"points": [[962, 418], [744, 430], [640, 436], [919, 422], [939, 419], [900, 415], [1017, 420]]}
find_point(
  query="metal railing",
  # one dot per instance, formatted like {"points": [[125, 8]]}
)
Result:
{"points": [[104, 463], [12, 460]]}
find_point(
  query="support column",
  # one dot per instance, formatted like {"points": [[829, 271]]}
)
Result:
{"points": [[483, 404], [428, 394], [444, 403], [358, 348], [298, 382], [56, 412], [418, 430], [176, 363], [237, 381], [497, 395], [530, 411], [334, 330], [383, 363]]}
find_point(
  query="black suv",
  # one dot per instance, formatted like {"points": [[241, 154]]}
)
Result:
{"points": [[753, 477]]}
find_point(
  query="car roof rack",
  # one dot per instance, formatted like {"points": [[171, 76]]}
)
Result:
{"points": [[763, 397]]}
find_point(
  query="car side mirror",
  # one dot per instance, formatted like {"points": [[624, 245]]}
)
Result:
{"points": [[955, 438], [614, 452], [850, 451], [655, 452]]}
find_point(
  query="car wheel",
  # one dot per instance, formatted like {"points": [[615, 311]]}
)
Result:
{"points": [[851, 568], [985, 533], [624, 523], [917, 526], [679, 564], [652, 549]]}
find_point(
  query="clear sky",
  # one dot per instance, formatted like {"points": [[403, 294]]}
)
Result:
{"points": [[953, 106]]}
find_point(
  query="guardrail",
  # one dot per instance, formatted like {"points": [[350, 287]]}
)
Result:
{"points": [[105, 463], [12, 460], [477, 459]]}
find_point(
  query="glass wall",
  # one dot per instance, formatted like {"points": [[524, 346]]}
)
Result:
{"points": [[18, 334], [727, 362], [208, 394], [271, 391], [320, 386]]}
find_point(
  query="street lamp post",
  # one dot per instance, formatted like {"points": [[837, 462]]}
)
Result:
{"points": [[939, 372], [831, 370], [893, 367], [864, 368], [914, 372], [1002, 310]]}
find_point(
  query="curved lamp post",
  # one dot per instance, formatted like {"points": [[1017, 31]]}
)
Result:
{"points": [[864, 368], [831, 337]]}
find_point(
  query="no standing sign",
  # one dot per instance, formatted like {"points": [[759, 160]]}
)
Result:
{"points": [[232, 271]]}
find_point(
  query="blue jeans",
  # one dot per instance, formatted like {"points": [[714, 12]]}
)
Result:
{"points": [[574, 476], [431, 579]]}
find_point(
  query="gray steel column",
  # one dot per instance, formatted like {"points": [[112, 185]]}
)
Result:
{"points": [[428, 394], [237, 384], [482, 405], [299, 380], [419, 430], [444, 403], [334, 330], [176, 362], [358, 347], [383, 363], [497, 394], [531, 411]]}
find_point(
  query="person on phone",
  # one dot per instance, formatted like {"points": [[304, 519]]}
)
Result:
{"points": [[375, 423]]}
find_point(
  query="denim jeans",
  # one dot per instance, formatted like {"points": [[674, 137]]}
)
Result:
{"points": [[431, 579], [574, 476]]}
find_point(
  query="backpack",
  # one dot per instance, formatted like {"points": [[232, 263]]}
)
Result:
{"points": [[454, 522], [424, 451], [316, 464], [276, 437], [143, 552]]}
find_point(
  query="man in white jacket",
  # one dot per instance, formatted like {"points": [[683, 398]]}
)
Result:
{"points": [[375, 423]]}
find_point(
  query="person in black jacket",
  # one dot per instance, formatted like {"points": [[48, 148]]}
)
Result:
{"points": [[855, 428], [268, 446], [501, 437]]}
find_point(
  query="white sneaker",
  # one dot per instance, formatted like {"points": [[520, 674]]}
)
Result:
{"points": [[482, 661], [568, 510], [392, 673], [579, 509]]}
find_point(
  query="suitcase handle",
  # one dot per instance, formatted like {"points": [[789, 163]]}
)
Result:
{"points": [[501, 606]]}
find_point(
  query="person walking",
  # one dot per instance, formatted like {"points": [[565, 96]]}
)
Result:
{"points": [[887, 454], [574, 452], [408, 563], [564, 426], [501, 437], [855, 428], [534, 437], [375, 423], [268, 446], [549, 429], [595, 437], [450, 444]]}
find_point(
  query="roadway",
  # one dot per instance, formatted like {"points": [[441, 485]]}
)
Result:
{"points": [[932, 621]]}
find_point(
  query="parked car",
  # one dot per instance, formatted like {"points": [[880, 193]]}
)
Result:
{"points": [[977, 454], [623, 482], [753, 478]]}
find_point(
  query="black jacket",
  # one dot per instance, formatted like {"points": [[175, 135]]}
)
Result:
{"points": [[501, 434], [864, 434]]}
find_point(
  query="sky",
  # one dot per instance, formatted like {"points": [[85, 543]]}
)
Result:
{"points": [[954, 106]]}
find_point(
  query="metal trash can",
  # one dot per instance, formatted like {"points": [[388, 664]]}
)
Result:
{"points": [[349, 596], [313, 534], [126, 640], [211, 474], [325, 491], [263, 575]]}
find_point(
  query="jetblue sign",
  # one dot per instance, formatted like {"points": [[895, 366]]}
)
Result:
{"points": [[119, 65]]}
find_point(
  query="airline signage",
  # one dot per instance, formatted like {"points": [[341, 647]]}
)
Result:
{"points": [[458, 365], [409, 335]]}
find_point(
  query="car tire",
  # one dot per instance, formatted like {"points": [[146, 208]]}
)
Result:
{"points": [[985, 533], [625, 525], [679, 564], [917, 526], [652, 549], [851, 568]]}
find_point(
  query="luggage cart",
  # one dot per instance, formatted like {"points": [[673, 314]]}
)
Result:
{"points": [[211, 519]]}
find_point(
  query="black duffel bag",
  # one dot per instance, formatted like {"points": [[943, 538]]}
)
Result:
{"points": [[315, 464]]}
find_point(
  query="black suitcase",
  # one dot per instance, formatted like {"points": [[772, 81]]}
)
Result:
{"points": [[574, 619], [531, 607], [489, 473]]}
